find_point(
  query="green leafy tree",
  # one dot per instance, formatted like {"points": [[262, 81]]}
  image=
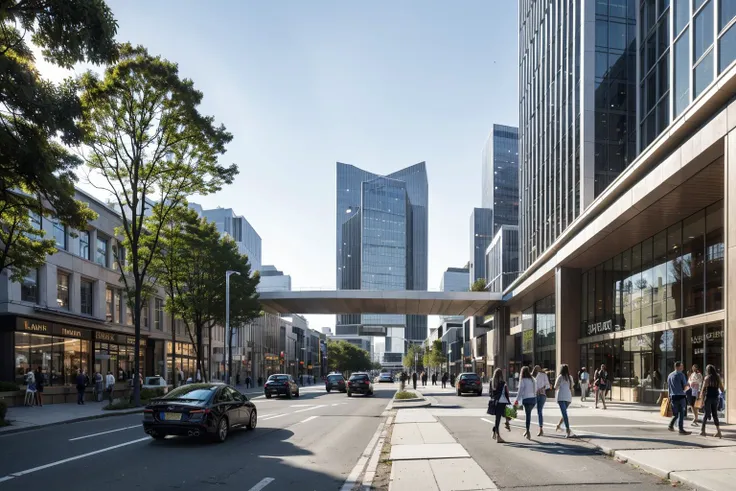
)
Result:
{"points": [[38, 118], [346, 357], [146, 142], [479, 285], [200, 291], [413, 357], [437, 358]]}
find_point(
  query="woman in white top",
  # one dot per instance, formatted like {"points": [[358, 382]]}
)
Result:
{"points": [[695, 381], [563, 393], [527, 394], [542, 382], [30, 398]]}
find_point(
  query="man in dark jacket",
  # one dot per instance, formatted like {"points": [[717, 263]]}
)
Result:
{"points": [[81, 385], [414, 379]]}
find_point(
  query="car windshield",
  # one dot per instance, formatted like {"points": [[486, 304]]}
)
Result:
{"points": [[278, 377], [335, 378], [196, 392], [469, 376], [359, 377], [153, 381]]}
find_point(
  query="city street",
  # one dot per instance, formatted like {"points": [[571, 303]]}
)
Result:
{"points": [[309, 443], [550, 462]]}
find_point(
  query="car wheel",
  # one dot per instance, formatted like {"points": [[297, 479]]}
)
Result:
{"points": [[222, 430], [297, 393], [350, 394], [158, 436], [253, 420], [268, 396]]}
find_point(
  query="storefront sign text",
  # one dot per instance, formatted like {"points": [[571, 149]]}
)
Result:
{"points": [[104, 336], [48, 328], [709, 337], [600, 327], [35, 326]]}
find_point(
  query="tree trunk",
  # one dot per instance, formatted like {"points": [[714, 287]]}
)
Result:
{"points": [[137, 348]]}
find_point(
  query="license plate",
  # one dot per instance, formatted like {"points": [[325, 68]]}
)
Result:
{"points": [[172, 416], [274, 391]]}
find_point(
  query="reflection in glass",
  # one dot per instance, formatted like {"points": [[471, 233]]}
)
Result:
{"points": [[674, 286], [636, 286], [690, 268], [703, 31], [681, 75], [681, 9], [714, 255], [727, 48]]}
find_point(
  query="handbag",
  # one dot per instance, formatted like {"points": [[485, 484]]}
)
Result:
{"points": [[665, 409], [491, 407], [698, 403]]}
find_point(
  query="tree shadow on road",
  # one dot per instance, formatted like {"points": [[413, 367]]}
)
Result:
{"points": [[555, 448]]}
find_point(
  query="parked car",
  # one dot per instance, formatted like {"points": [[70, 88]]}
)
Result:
{"points": [[385, 378], [335, 381], [280, 384], [156, 382], [199, 410], [360, 383], [468, 382]]}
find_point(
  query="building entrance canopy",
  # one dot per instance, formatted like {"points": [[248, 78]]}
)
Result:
{"points": [[412, 302]]}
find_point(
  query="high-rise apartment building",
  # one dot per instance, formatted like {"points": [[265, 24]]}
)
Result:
{"points": [[577, 110], [381, 235], [500, 175], [237, 227], [481, 234]]}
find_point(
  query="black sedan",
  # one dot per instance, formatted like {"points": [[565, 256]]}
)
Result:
{"points": [[199, 410], [335, 381], [468, 382], [360, 383], [280, 384]]}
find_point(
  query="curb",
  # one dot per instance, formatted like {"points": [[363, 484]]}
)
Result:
{"points": [[119, 412], [419, 402]]}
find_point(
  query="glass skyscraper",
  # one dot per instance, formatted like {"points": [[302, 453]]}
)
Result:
{"points": [[501, 175], [481, 235], [381, 244], [577, 110]]}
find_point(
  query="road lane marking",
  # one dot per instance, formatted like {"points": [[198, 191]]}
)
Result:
{"points": [[301, 405], [104, 433], [262, 484], [308, 419], [310, 408], [274, 416], [71, 459]]}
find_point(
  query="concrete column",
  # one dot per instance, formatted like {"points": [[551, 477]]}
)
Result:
{"points": [[48, 290], [567, 317], [502, 320], [729, 285]]}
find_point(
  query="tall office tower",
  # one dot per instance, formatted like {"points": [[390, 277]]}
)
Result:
{"points": [[237, 227], [273, 280], [501, 175], [381, 232], [481, 235], [454, 280], [577, 110]]}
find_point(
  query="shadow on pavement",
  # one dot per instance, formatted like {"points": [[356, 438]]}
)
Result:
{"points": [[554, 448], [684, 442]]}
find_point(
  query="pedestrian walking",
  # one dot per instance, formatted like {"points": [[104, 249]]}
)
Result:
{"points": [[237, 378], [247, 381], [444, 380], [563, 394], [527, 395], [30, 379], [434, 379], [695, 381], [109, 385], [601, 383], [414, 380], [542, 382], [710, 391], [452, 379], [424, 379], [583, 378], [81, 385], [676, 387], [39, 385], [499, 394]]}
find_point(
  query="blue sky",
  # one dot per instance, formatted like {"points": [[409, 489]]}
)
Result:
{"points": [[303, 84]]}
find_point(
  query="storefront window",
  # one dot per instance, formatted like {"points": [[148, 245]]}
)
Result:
{"points": [[618, 311], [636, 286], [626, 289], [694, 347], [60, 358], [674, 286], [646, 282], [714, 253], [659, 277], [599, 282], [691, 264], [714, 347], [546, 333], [584, 305], [62, 290], [608, 284]]}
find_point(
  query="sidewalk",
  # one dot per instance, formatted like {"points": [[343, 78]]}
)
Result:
{"points": [[425, 456], [23, 418]]}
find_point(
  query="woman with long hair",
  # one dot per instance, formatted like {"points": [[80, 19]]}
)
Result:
{"points": [[563, 393], [499, 393], [695, 381], [527, 394], [712, 385]]}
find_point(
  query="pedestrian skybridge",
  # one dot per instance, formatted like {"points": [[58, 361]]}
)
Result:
{"points": [[379, 302]]}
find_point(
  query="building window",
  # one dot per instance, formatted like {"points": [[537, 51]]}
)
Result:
{"points": [[62, 290], [84, 244], [35, 219], [60, 235], [118, 257], [118, 298], [727, 48], [101, 252], [29, 287], [86, 297], [144, 315], [128, 311], [109, 305], [158, 315], [681, 75], [59, 357]]}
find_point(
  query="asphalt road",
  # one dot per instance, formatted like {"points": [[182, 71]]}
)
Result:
{"points": [[551, 462], [310, 443]]}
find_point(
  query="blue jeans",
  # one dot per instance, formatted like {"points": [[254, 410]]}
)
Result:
{"points": [[563, 407], [541, 399], [679, 408], [528, 404]]}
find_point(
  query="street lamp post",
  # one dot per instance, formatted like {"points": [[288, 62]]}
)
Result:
{"points": [[228, 334]]}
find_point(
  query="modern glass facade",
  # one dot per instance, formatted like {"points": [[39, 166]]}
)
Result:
{"points": [[677, 273], [501, 175], [686, 45], [481, 235], [576, 125], [538, 336], [502, 259], [381, 232]]}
